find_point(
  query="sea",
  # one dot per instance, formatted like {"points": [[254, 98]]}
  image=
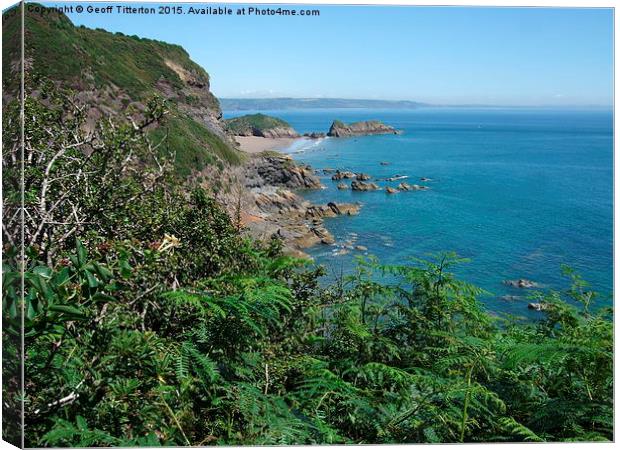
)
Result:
{"points": [[517, 192]]}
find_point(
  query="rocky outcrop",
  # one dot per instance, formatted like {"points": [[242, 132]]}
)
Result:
{"points": [[539, 306], [343, 186], [362, 177], [362, 186], [274, 210], [411, 187], [341, 175], [391, 190], [280, 170], [341, 129], [521, 283], [332, 210], [315, 135]]}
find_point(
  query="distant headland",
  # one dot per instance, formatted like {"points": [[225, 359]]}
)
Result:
{"points": [[266, 104]]}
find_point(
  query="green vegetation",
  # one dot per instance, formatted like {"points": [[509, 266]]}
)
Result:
{"points": [[193, 145], [254, 124], [151, 320]]}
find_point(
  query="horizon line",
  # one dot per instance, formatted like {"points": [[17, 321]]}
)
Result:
{"points": [[427, 104]]}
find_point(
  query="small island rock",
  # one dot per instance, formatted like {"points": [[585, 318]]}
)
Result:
{"points": [[341, 129], [362, 186]]}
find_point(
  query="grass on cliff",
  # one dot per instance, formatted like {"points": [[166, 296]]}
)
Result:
{"points": [[194, 144], [243, 124], [79, 54], [84, 58]]}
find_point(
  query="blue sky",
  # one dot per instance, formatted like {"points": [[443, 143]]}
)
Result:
{"points": [[450, 55]]}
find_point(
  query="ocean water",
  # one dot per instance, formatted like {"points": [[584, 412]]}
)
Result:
{"points": [[517, 191]]}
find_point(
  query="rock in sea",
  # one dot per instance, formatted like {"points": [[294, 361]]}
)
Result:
{"points": [[521, 283], [361, 186], [342, 175], [538, 306]]}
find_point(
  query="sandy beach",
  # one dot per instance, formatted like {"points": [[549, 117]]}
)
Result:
{"points": [[254, 144]]}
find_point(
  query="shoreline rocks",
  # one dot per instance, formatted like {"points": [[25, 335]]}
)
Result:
{"points": [[362, 186], [280, 170], [315, 135], [272, 209], [341, 175]]}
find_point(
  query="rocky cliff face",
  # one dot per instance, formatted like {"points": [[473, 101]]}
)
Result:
{"points": [[340, 129], [279, 170]]}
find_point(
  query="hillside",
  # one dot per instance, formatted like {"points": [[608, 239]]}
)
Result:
{"points": [[260, 125], [247, 104], [116, 74]]}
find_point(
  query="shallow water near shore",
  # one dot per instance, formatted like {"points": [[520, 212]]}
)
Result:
{"points": [[518, 191]]}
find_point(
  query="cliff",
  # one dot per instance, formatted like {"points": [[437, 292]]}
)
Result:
{"points": [[340, 129], [260, 125], [115, 74]]}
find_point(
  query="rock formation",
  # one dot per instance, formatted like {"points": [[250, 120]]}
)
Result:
{"points": [[340, 129], [342, 175], [260, 125], [362, 186], [521, 283]]}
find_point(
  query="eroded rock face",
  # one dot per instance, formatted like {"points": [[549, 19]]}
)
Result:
{"points": [[279, 132], [280, 170], [340, 129]]}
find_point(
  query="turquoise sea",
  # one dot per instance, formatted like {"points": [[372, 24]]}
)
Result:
{"points": [[518, 191]]}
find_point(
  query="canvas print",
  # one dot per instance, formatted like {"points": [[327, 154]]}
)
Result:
{"points": [[282, 224]]}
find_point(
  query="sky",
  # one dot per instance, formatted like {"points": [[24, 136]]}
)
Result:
{"points": [[439, 55]]}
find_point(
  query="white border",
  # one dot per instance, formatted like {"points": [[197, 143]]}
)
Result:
{"points": [[487, 3]]}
